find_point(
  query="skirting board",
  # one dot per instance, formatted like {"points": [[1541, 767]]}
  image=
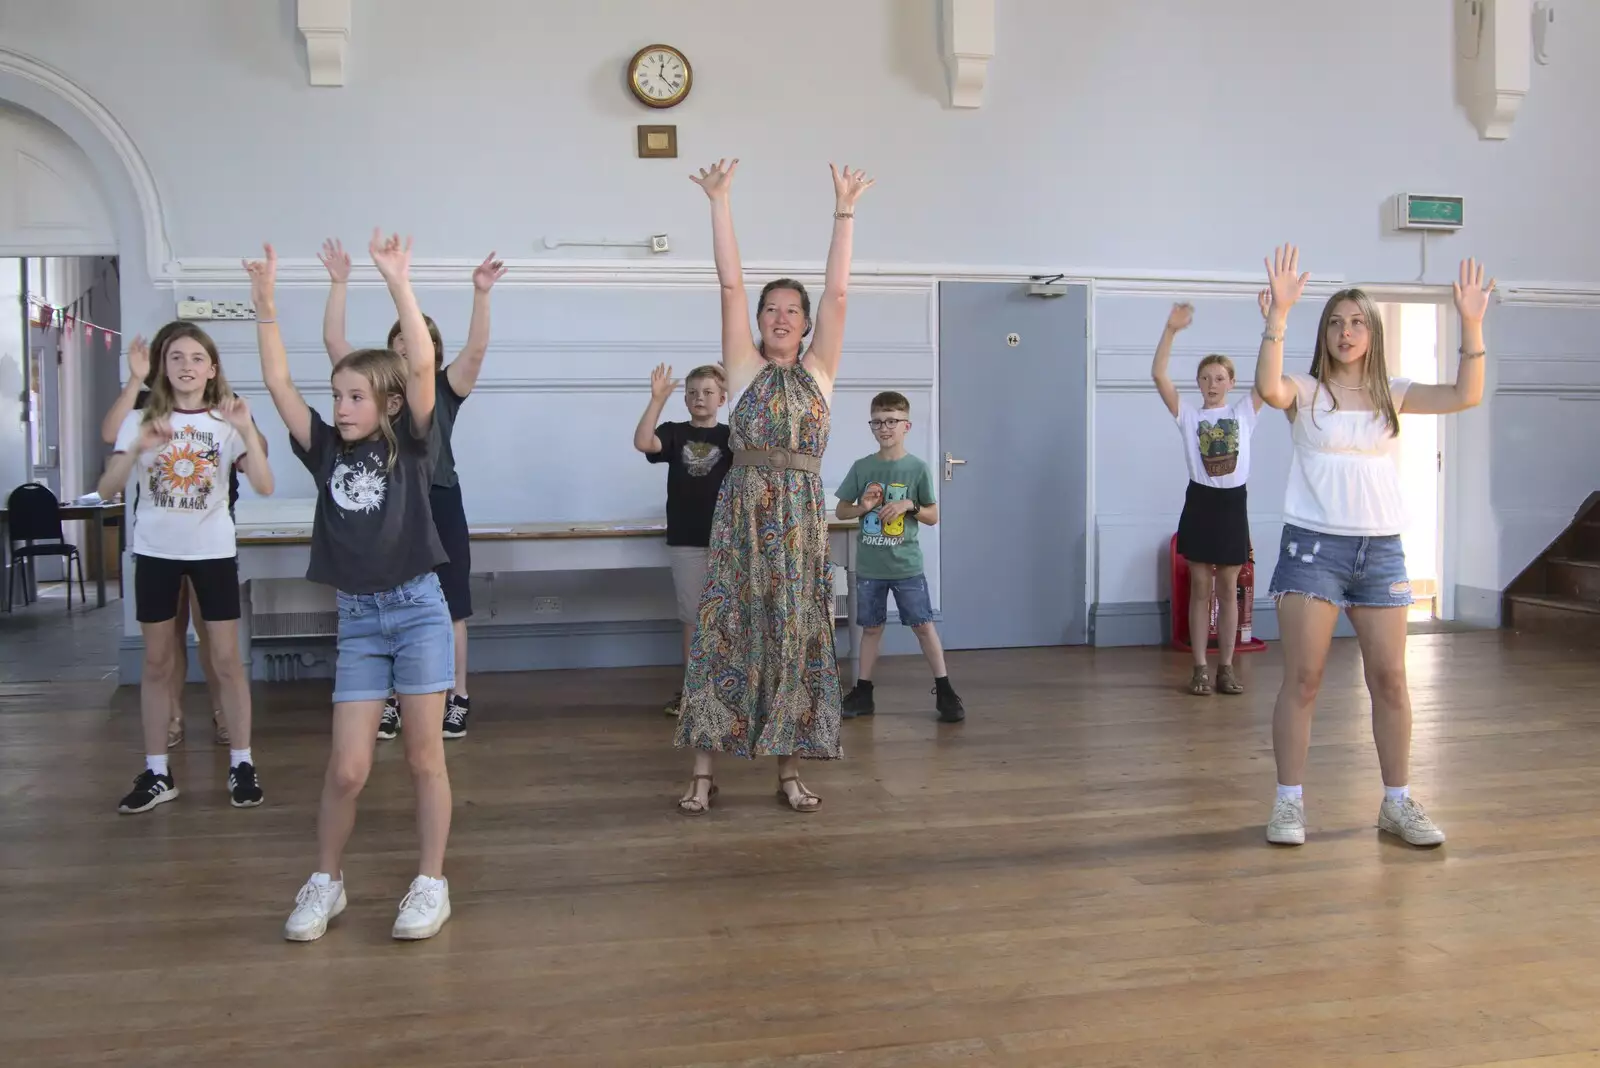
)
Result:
{"points": [[1481, 608], [1150, 622], [521, 647]]}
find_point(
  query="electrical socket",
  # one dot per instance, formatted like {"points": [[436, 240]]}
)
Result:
{"points": [[232, 309], [658, 243], [547, 604], [194, 309]]}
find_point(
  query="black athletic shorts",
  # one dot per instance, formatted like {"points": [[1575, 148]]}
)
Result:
{"points": [[158, 583], [450, 520]]}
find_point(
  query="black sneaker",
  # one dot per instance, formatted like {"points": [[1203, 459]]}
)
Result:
{"points": [[243, 789], [455, 716], [858, 702], [149, 790], [951, 710], [389, 725]]}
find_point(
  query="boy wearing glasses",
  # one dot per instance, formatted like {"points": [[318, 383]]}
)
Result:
{"points": [[891, 492]]}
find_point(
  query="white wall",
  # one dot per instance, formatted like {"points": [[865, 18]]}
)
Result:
{"points": [[13, 361], [1141, 139]]}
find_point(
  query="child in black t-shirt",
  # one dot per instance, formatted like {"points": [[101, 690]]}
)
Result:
{"points": [[697, 455], [373, 540]]}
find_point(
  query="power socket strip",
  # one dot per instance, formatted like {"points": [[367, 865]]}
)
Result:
{"points": [[211, 310]]}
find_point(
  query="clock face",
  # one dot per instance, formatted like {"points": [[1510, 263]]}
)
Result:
{"points": [[660, 76]]}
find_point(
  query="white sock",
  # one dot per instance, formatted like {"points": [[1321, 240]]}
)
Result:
{"points": [[1289, 791], [322, 878], [157, 763], [1396, 794], [431, 883], [239, 756]]}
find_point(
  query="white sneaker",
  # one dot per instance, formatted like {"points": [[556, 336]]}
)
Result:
{"points": [[314, 906], [1407, 819], [424, 908], [1287, 826]]}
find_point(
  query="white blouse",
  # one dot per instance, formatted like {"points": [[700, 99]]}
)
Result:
{"points": [[1344, 476]]}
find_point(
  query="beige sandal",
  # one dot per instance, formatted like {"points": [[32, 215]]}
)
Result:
{"points": [[803, 801], [1200, 682], [1227, 682], [174, 732], [221, 725], [698, 809]]}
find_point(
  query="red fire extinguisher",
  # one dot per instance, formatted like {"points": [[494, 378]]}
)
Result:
{"points": [[1247, 598]]}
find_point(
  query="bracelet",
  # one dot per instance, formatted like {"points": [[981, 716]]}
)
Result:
{"points": [[1465, 355], [1267, 335], [265, 322], [844, 215]]}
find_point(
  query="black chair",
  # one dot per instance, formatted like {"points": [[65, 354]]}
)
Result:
{"points": [[35, 516]]}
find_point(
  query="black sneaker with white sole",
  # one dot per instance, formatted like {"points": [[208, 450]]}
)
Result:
{"points": [[243, 789], [455, 716], [858, 702], [149, 790], [389, 725]]}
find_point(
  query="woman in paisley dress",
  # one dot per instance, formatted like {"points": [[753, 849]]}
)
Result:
{"points": [[762, 679]]}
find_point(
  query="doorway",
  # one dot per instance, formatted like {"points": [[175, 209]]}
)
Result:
{"points": [[1413, 333], [1013, 465]]}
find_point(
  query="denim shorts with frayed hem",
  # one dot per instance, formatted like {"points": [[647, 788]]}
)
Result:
{"points": [[397, 641], [1348, 571], [911, 601]]}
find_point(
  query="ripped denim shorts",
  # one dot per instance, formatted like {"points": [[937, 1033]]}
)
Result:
{"points": [[1350, 572]]}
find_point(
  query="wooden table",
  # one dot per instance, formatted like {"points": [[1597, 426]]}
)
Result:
{"points": [[98, 516], [282, 550]]}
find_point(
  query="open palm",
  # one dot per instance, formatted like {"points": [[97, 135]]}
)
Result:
{"points": [[391, 255], [488, 273], [263, 275], [138, 359], [848, 185], [335, 259], [1284, 277], [716, 180], [1472, 296]]}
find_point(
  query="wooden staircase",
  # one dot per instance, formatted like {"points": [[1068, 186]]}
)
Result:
{"points": [[1560, 591]]}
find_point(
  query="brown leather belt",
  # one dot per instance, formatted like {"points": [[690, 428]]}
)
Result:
{"points": [[777, 460]]}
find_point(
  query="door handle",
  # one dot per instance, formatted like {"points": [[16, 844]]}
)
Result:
{"points": [[950, 463]]}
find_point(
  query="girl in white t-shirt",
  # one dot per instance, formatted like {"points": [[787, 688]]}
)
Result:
{"points": [[181, 448], [1214, 531], [1343, 514]]}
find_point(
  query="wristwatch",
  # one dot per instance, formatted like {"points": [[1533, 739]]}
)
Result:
{"points": [[914, 509]]}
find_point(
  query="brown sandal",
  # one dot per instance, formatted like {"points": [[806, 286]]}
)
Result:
{"points": [[221, 723], [803, 801], [1200, 682], [174, 732], [1227, 682], [698, 809]]}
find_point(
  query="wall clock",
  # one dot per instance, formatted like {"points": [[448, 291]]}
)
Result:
{"points": [[660, 76]]}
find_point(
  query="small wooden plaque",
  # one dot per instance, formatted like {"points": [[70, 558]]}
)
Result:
{"points": [[658, 142]]}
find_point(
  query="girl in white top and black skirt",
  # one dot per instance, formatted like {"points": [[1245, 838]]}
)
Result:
{"points": [[1343, 515], [373, 540], [1214, 530]]}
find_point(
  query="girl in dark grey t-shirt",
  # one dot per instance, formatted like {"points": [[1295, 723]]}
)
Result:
{"points": [[373, 541]]}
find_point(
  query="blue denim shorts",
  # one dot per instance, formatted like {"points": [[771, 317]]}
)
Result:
{"points": [[1348, 571], [911, 600], [398, 641]]}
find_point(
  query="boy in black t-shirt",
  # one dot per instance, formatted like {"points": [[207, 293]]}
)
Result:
{"points": [[697, 455]]}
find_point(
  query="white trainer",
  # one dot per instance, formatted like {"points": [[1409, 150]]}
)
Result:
{"points": [[314, 906], [1287, 826], [1407, 819], [424, 908]]}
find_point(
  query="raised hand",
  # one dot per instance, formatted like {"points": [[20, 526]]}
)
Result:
{"points": [[1283, 278], [335, 259], [392, 257], [236, 411], [717, 179], [263, 277], [154, 434], [488, 273], [1180, 318], [1264, 301], [848, 186], [138, 359], [1472, 296], [661, 384]]}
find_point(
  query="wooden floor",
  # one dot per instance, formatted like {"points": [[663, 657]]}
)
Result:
{"points": [[1076, 876]]}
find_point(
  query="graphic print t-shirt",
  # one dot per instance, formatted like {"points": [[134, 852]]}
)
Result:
{"points": [[1216, 442], [373, 528], [182, 511], [697, 459], [888, 550], [233, 472]]}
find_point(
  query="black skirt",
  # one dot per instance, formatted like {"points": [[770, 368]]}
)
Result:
{"points": [[1215, 526]]}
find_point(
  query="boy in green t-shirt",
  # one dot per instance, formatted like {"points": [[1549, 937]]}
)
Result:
{"points": [[891, 492]]}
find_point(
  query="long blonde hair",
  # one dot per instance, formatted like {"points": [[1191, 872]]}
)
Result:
{"points": [[386, 373], [162, 401], [1374, 371]]}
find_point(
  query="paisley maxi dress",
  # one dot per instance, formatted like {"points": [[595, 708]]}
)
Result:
{"points": [[762, 678]]}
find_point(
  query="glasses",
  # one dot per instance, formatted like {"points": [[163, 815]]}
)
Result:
{"points": [[879, 424]]}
